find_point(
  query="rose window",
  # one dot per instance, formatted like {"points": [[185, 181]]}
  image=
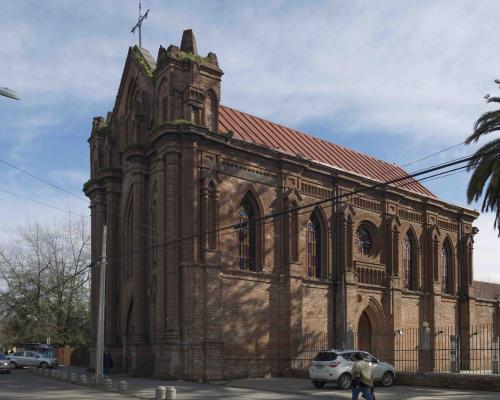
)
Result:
{"points": [[363, 240]]}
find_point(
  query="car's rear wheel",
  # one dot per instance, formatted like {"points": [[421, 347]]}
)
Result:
{"points": [[318, 384], [44, 365], [387, 378], [344, 382], [13, 365]]}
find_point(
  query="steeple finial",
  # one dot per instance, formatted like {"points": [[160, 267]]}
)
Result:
{"points": [[188, 43]]}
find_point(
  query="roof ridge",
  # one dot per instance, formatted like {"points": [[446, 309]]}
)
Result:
{"points": [[317, 138], [315, 148]]}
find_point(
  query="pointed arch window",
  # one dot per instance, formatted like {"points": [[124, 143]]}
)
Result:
{"points": [[154, 235], [314, 258], [408, 260], [211, 107], [165, 109], [129, 241], [294, 233], [446, 267], [212, 216], [247, 236]]}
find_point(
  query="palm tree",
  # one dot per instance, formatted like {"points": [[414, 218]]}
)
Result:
{"points": [[486, 162]]}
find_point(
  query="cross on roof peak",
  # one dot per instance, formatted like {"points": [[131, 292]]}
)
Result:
{"points": [[140, 19]]}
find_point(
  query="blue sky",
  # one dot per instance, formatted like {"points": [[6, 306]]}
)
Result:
{"points": [[394, 79]]}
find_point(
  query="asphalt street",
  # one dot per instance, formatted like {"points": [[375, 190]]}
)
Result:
{"points": [[22, 385]]}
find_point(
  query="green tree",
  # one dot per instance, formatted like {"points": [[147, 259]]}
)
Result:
{"points": [[44, 284], [486, 164]]}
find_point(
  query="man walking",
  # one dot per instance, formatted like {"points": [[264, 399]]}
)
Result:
{"points": [[107, 363], [362, 378]]}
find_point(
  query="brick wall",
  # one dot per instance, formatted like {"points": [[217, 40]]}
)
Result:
{"points": [[456, 381], [246, 330]]}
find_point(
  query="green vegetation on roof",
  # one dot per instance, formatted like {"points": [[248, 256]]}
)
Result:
{"points": [[192, 57], [142, 61], [180, 122]]}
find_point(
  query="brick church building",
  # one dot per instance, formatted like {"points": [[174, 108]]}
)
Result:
{"points": [[199, 286]]}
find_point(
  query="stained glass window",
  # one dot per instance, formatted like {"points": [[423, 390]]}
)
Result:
{"points": [[314, 247], [247, 236], [408, 260], [294, 234], [445, 262]]}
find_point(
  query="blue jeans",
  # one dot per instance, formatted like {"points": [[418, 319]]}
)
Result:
{"points": [[365, 389]]}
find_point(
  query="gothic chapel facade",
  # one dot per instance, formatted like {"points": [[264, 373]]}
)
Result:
{"points": [[171, 165]]}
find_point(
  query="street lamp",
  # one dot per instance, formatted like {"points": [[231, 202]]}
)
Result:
{"points": [[9, 93]]}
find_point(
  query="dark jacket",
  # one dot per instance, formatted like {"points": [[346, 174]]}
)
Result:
{"points": [[107, 361]]}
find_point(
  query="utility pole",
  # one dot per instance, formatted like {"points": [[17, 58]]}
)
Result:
{"points": [[100, 322]]}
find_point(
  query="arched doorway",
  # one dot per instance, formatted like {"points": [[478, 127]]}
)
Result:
{"points": [[365, 333]]}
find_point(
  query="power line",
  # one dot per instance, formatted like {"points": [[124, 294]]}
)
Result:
{"points": [[53, 185], [45, 181], [232, 227], [402, 179], [42, 203], [314, 204], [408, 178], [433, 154]]}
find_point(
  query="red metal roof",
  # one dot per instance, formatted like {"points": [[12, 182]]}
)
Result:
{"points": [[253, 129]]}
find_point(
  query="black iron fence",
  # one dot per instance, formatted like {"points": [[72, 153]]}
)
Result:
{"points": [[308, 347], [440, 349]]}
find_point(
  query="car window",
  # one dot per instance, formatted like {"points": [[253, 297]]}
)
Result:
{"points": [[18, 354], [2, 357], [368, 357], [31, 354], [326, 356], [349, 356]]}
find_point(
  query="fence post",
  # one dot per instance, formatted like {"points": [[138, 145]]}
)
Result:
{"points": [[350, 338], [453, 354], [425, 348], [495, 349]]}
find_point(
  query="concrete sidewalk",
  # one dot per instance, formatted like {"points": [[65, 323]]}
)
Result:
{"points": [[280, 388], [144, 388]]}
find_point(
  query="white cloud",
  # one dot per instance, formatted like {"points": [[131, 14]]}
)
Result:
{"points": [[69, 177], [486, 250], [411, 71], [394, 68], [16, 211]]}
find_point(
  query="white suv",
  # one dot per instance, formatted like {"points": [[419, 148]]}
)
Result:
{"points": [[336, 365], [31, 359]]}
